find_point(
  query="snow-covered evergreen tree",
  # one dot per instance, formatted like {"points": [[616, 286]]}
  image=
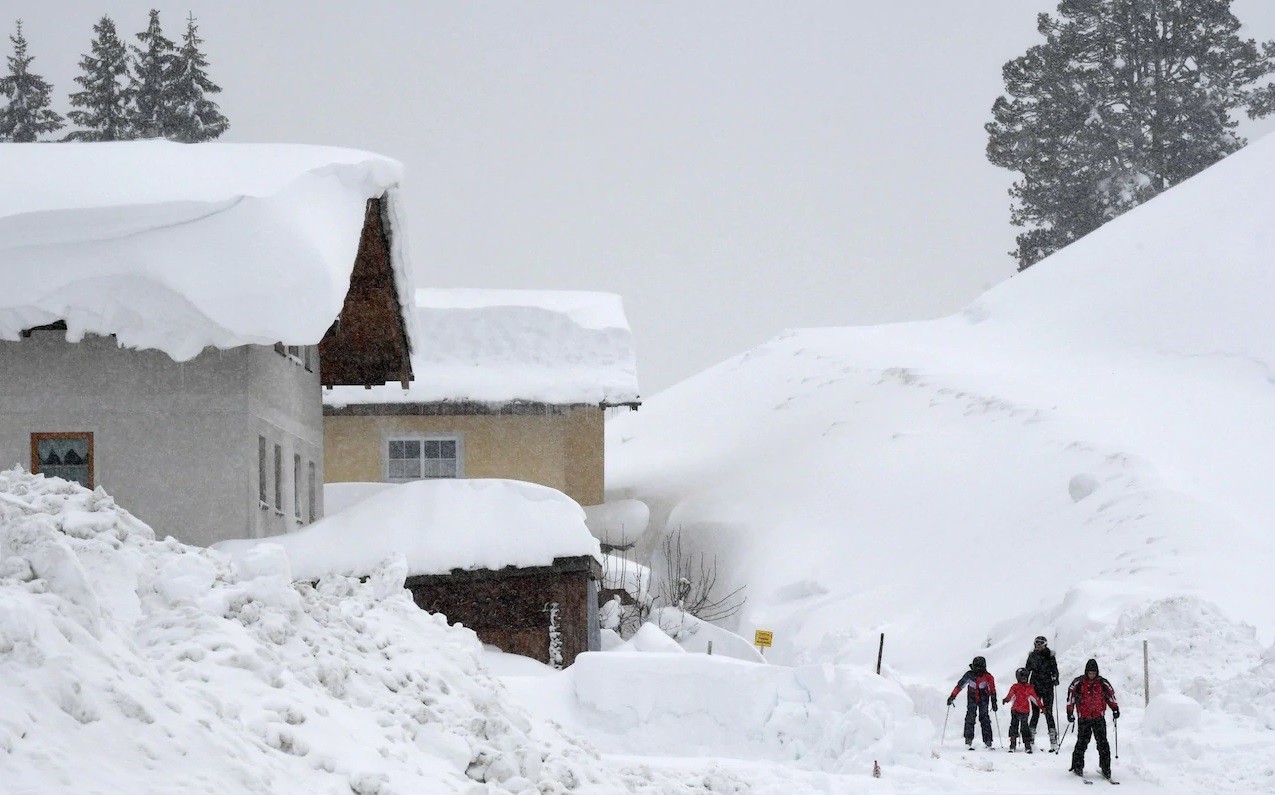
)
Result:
{"points": [[104, 100], [150, 84], [27, 115], [193, 116], [1122, 99]]}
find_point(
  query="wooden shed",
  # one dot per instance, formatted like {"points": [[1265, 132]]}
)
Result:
{"points": [[548, 613]]}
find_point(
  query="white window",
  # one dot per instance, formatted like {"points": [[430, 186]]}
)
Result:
{"points": [[418, 457]]}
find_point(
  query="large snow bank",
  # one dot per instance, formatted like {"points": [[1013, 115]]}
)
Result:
{"points": [[339, 496], [178, 247], [132, 665], [438, 526], [837, 719], [499, 346]]}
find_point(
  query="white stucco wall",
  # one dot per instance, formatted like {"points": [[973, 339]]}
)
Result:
{"points": [[176, 444]]}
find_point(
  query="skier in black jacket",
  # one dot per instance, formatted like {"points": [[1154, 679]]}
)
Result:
{"points": [[1042, 672]]}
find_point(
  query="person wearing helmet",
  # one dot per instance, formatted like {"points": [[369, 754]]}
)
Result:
{"points": [[1024, 700], [1090, 695], [1042, 673], [980, 692]]}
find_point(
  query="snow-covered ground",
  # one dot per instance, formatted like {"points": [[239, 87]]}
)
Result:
{"points": [[1085, 453], [129, 664]]}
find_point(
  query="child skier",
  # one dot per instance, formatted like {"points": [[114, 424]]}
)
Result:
{"points": [[980, 691], [1024, 698], [1090, 695]]}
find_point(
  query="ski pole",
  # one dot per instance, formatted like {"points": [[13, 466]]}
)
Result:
{"points": [[1115, 723], [1053, 705], [999, 739], [1063, 738], [943, 740]]}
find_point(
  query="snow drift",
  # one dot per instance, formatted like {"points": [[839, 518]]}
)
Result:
{"points": [[134, 665]]}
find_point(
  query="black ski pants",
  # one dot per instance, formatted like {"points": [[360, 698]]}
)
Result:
{"points": [[1046, 698], [1018, 724], [977, 708], [1097, 729]]}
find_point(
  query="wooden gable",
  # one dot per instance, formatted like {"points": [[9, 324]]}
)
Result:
{"points": [[367, 344]]}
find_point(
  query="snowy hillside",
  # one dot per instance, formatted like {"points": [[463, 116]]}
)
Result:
{"points": [[1085, 453]]}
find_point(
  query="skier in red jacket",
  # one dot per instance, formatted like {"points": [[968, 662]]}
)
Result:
{"points": [[980, 691], [1090, 695], [1024, 697]]}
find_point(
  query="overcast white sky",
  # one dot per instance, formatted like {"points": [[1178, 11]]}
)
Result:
{"points": [[731, 168]]}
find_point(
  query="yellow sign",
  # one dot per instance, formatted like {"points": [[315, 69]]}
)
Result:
{"points": [[763, 637]]}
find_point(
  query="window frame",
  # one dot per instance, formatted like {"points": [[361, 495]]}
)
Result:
{"points": [[38, 436], [459, 439], [278, 479], [296, 487], [312, 476], [263, 477]]}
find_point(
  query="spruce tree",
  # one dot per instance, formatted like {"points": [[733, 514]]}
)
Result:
{"points": [[104, 99], [149, 90], [193, 117], [1124, 99], [27, 115]]}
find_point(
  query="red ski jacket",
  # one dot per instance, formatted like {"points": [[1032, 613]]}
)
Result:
{"points": [[978, 686], [1090, 697], [1024, 696]]}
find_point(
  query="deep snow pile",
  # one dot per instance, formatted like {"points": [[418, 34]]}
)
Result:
{"points": [[837, 719], [134, 665], [179, 247], [436, 526], [1085, 453]]}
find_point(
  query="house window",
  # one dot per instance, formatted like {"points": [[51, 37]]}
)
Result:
{"points": [[313, 502], [296, 487], [278, 480], [419, 457], [261, 472], [63, 455]]}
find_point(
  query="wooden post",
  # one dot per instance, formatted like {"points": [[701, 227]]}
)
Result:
{"points": [[710, 648], [1146, 675], [880, 651]]}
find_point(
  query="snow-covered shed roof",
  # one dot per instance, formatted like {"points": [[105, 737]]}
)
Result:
{"points": [[178, 247], [439, 526], [500, 346]]}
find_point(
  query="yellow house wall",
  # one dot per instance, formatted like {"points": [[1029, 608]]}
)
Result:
{"points": [[564, 451]]}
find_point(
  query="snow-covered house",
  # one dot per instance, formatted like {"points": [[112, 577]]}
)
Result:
{"points": [[508, 384], [168, 314]]}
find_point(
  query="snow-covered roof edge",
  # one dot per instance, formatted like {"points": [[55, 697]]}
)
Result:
{"points": [[501, 347], [182, 247]]}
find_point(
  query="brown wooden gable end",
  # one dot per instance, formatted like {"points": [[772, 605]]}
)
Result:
{"points": [[367, 345]]}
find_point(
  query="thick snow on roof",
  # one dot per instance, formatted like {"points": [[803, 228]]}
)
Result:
{"points": [[498, 346], [178, 247], [438, 526]]}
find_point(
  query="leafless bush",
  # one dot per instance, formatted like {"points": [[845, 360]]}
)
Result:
{"points": [[690, 583]]}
